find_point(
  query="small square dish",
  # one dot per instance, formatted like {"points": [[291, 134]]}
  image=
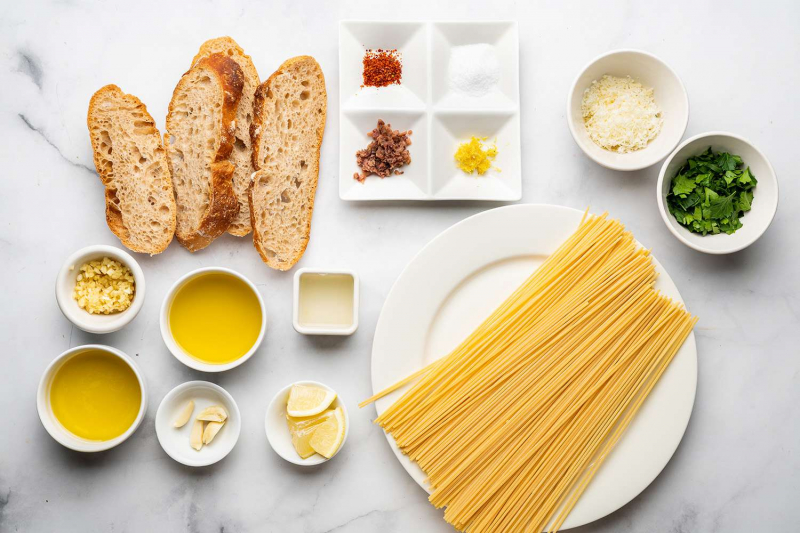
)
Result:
{"points": [[458, 80], [459, 48], [501, 181], [412, 184], [408, 39], [325, 302]]}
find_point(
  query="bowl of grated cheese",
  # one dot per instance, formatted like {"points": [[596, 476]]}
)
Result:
{"points": [[627, 110], [100, 289]]}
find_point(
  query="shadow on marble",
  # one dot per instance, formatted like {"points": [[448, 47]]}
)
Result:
{"points": [[82, 460], [438, 204], [328, 342]]}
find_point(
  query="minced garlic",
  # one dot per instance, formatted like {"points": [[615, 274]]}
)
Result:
{"points": [[471, 156], [104, 286]]}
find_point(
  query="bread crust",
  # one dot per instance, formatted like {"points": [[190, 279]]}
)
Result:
{"points": [[260, 111], [223, 205], [240, 226], [114, 216]]}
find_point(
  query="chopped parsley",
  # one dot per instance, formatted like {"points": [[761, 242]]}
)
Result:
{"points": [[711, 193]]}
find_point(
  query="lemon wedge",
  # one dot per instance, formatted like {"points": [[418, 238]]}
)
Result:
{"points": [[308, 400], [329, 435], [301, 430]]}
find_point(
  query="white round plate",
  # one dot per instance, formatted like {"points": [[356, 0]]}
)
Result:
{"points": [[462, 276], [175, 441]]}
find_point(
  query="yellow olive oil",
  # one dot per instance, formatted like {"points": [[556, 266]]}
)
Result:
{"points": [[95, 395], [215, 318]]}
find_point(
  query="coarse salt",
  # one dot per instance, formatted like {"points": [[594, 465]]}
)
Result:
{"points": [[474, 69]]}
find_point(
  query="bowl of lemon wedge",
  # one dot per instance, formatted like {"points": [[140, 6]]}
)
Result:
{"points": [[307, 423]]}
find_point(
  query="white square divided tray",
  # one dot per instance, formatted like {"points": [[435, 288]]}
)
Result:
{"points": [[439, 117]]}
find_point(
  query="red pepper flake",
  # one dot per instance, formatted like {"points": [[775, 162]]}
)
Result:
{"points": [[382, 68]]}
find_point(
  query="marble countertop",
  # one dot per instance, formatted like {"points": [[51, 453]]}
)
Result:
{"points": [[738, 467]]}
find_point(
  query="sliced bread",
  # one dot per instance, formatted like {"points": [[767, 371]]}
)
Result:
{"points": [[289, 120], [242, 153], [199, 139], [132, 164]]}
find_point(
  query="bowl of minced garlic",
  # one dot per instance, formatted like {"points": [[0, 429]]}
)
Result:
{"points": [[100, 289]]}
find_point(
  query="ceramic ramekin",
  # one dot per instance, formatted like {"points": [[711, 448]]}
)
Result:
{"points": [[323, 330], [670, 95], [176, 441], [765, 195], [178, 352], [278, 430], [54, 427], [65, 285]]}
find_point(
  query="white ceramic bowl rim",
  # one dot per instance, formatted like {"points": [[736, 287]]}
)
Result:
{"points": [[271, 427], [176, 350], [61, 434], [65, 284], [657, 156], [666, 216], [233, 415]]}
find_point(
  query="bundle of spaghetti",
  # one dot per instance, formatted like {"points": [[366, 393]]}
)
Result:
{"points": [[511, 426]]}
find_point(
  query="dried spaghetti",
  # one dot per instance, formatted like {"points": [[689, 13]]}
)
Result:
{"points": [[512, 425]]}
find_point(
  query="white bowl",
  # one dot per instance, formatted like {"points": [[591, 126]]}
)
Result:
{"points": [[670, 96], [765, 200], [54, 427], [323, 330], [278, 431], [65, 285], [175, 441], [178, 352]]}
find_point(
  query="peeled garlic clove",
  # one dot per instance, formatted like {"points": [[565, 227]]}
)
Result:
{"points": [[212, 428], [196, 440], [215, 413], [185, 414]]}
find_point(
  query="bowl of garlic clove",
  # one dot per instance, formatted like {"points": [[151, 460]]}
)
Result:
{"points": [[198, 423]]}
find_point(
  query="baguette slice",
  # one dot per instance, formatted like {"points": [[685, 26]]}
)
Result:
{"points": [[289, 120], [242, 155], [132, 164], [199, 140]]}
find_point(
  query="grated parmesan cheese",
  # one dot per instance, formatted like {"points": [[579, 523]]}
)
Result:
{"points": [[620, 114]]}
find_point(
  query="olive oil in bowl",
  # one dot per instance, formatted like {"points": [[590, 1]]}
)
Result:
{"points": [[95, 395], [215, 317]]}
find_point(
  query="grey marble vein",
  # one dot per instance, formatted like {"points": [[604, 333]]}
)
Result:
{"points": [[44, 137], [29, 65]]}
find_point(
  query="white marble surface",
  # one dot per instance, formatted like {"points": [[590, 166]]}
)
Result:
{"points": [[738, 468]]}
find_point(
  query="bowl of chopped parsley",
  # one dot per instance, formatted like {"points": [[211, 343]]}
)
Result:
{"points": [[717, 193]]}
